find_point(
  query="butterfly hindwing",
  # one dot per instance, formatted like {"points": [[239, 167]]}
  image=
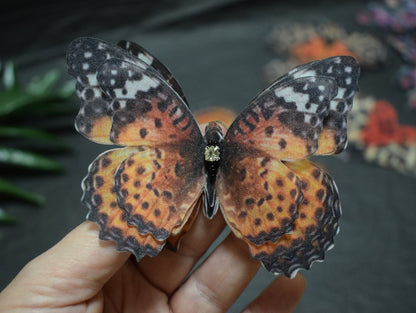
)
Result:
{"points": [[146, 110], [101, 199], [158, 187], [259, 197], [313, 232], [174, 241]]}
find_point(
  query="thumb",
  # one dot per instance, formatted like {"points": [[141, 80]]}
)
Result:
{"points": [[72, 271]]}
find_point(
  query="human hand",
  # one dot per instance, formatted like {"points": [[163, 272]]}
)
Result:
{"points": [[84, 274]]}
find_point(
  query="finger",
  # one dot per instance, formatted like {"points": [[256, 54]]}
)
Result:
{"points": [[129, 291], [281, 296], [72, 271], [169, 269], [218, 282]]}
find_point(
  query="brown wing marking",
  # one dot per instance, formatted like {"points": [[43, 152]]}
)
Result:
{"points": [[259, 197], [313, 231], [100, 197], [158, 186]]}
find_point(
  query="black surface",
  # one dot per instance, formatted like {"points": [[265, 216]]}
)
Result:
{"points": [[216, 50]]}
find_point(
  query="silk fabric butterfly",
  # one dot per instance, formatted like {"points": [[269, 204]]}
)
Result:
{"points": [[148, 192]]}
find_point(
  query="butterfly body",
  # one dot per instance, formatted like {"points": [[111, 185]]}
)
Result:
{"points": [[284, 207], [213, 140]]}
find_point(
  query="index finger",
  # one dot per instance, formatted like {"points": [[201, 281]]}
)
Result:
{"points": [[167, 270], [282, 295], [73, 270]]}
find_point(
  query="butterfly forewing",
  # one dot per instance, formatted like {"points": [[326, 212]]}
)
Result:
{"points": [[145, 56], [345, 71], [285, 121], [84, 56], [146, 110]]}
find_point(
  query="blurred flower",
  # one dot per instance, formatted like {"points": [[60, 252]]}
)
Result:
{"points": [[374, 128], [297, 43], [396, 15]]}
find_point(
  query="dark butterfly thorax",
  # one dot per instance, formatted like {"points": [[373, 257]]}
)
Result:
{"points": [[213, 140]]}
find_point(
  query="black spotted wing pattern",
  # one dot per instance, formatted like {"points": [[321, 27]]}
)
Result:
{"points": [[146, 57], [345, 71]]}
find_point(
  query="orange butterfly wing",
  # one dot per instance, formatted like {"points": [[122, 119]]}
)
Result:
{"points": [[153, 188], [146, 110], [86, 57], [345, 70], [100, 197], [299, 115], [259, 198], [313, 231], [157, 187], [285, 121]]}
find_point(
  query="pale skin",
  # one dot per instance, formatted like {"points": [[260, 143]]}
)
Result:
{"points": [[84, 274]]}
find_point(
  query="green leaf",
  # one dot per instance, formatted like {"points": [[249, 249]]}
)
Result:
{"points": [[66, 90], [11, 101], [19, 102], [20, 193], [10, 76], [40, 93], [29, 133], [41, 85], [6, 218], [28, 160]]}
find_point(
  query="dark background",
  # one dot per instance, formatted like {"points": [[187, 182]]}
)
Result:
{"points": [[216, 50]]}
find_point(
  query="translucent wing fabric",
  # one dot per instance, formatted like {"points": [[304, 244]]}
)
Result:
{"points": [[345, 71], [141, 194], [145, 56], [283, 206]]}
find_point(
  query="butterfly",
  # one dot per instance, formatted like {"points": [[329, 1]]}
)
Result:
{"points": [[145, 194]]}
